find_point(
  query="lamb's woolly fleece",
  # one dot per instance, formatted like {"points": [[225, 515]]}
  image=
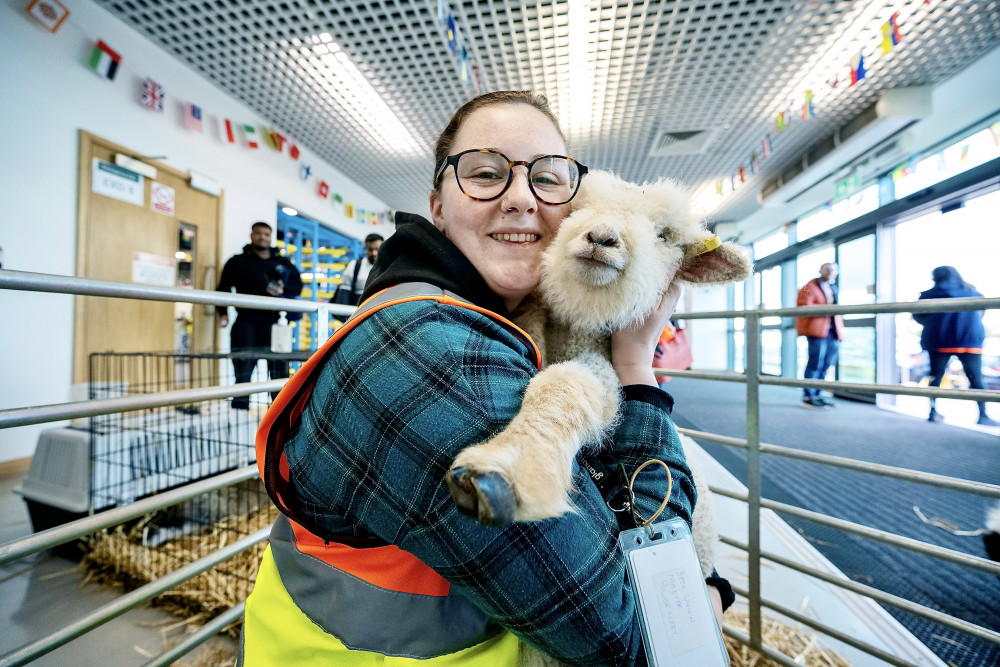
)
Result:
{"points": [[627, 279]]}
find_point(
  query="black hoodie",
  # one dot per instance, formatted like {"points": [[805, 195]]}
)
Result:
{"points": [[418, 252], [249, 274]]}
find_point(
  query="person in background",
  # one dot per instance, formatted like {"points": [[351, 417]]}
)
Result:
{"points": [[379, 565], [262, 271], [960, 334], [823, 333], [356, 273]]}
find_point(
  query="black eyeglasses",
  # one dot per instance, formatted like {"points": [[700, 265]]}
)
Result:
{"points": [[484, 174]]}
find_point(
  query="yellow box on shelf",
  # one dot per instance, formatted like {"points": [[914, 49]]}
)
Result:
{"points": [[306, 293], [333, 252]]}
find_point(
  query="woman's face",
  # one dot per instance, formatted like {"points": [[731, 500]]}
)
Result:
{"points": [[484, 230]]}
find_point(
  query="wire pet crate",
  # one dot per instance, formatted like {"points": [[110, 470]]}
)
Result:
{"points": [[140, 453]]}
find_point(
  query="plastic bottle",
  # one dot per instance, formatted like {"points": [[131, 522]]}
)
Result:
{"points": [[281, 335]]}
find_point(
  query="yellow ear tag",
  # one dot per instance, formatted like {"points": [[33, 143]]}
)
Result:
{"points": [[708, 245]]}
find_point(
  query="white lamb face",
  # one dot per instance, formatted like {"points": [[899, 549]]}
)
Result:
{"points": [[614, 255]]}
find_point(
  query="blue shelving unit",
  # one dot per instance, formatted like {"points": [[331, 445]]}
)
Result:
{"points": [[321, 255]]}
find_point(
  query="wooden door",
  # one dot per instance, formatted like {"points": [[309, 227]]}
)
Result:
{"points": [[110, 232]]}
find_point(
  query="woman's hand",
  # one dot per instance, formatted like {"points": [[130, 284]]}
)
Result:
{"points": [[632, 349]]}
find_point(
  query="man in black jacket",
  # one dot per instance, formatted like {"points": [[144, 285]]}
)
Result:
{"points": [[262, 271]]}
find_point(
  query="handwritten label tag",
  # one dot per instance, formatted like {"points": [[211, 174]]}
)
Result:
{"points": [[678, 624]]}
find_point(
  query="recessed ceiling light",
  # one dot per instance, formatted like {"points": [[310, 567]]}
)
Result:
{"points": [[289, 210]]}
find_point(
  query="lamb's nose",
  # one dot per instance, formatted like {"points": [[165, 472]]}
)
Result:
{"points": [[603, 240]]}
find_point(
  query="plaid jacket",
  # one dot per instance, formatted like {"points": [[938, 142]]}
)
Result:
{"points": [[408, 389]]}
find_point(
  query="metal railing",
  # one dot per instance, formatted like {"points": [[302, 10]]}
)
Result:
{"points": [[751, 444]]}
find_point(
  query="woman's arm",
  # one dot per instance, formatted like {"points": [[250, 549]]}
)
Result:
{"points": [[406, 391]]}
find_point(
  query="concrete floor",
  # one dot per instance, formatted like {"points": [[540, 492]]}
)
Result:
{"points": [[43, 593]]}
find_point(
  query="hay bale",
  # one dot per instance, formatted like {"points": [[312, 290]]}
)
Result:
{"points": [[799, 644], [119, 558]]}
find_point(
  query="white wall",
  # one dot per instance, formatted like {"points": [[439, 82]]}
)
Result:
{"points": [[48, 93]]}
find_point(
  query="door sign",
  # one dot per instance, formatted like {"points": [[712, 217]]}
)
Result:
{"points": [[117, 182], [161, 198]]}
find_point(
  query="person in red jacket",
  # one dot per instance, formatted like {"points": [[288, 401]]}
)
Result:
{"points": [[823, 333]]}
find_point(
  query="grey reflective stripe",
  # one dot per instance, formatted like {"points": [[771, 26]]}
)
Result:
{"points": [[368, 618], [403, 291]]}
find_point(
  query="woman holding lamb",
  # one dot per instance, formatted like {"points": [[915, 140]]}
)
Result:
{"points": [[377, 566]]}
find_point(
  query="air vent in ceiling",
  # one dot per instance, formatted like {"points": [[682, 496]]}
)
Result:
{"points": [[688, 142]]}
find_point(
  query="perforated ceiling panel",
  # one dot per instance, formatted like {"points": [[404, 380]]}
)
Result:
{"points": [[368, 85]]}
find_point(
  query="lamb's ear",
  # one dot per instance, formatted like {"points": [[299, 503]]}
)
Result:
{"points": [[725, 263]]}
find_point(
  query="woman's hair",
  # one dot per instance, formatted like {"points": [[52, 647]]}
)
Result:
{"points": [[446, 140]]}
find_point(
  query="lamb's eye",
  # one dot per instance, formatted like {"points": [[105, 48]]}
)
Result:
{"points": [[669, 235]]}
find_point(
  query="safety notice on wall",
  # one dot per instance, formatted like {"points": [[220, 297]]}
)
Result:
{"points": [[151, 269], [161, 198], [111, 180]]}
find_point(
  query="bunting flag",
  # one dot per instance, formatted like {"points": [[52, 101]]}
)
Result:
{"points": [[192, 117], [754, 162], [779, 122], [765, 145], [227, 133], [152, 95], [965, 154], [50, 13], [890, 33], [995, 131], [338, 199], [348, 210], [742, 178], [718, 187], [857, 68], [464, 64], [104, 60], [323, 189], [452, 34], [807, 106], [250, 137], [305, 171]]}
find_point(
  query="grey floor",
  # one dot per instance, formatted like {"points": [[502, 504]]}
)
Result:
{"points": [[44, 593], [861, 431]]}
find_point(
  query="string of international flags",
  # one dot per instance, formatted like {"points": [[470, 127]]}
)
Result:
{"points": [[890, 36], [106, 62]]}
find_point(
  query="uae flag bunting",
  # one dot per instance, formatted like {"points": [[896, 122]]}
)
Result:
{"points": [[754, 163], [857, 68], [890, 33], [742, 176], [49, 13], [250, 136], [192, 117], [452, 34], [779, 122], [152, 95], [765, 146], [807, 106], [104, 60], [227, 133]]}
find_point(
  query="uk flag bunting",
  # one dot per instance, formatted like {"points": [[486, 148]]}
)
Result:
{"points": [[152, 95]]}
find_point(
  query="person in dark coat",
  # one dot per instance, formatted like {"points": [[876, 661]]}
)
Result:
{"points": [[262, 271], [960, 334]]}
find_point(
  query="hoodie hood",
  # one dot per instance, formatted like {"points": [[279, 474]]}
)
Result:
{"points": [[248, 249], [418, 252]]}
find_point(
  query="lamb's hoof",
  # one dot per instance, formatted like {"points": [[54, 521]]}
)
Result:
{"points": [[485, 496]]}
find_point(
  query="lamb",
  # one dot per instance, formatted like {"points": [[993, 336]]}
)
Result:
{"points": [[607, 268]]}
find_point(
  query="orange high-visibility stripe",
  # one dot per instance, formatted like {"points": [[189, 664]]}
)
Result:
{"points": [[960, 350], [386, 567]]}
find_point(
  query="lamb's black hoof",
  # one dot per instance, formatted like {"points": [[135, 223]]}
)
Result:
{"points": [[486, 497]]}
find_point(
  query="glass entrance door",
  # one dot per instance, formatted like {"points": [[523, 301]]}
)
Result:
{"points": [[857, 286]]}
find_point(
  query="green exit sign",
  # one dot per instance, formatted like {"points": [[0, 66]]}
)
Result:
{"points": [[847, 187]]}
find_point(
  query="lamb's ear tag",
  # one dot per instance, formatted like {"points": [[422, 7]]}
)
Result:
{"points": [[672, 604], [708, 245]]}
